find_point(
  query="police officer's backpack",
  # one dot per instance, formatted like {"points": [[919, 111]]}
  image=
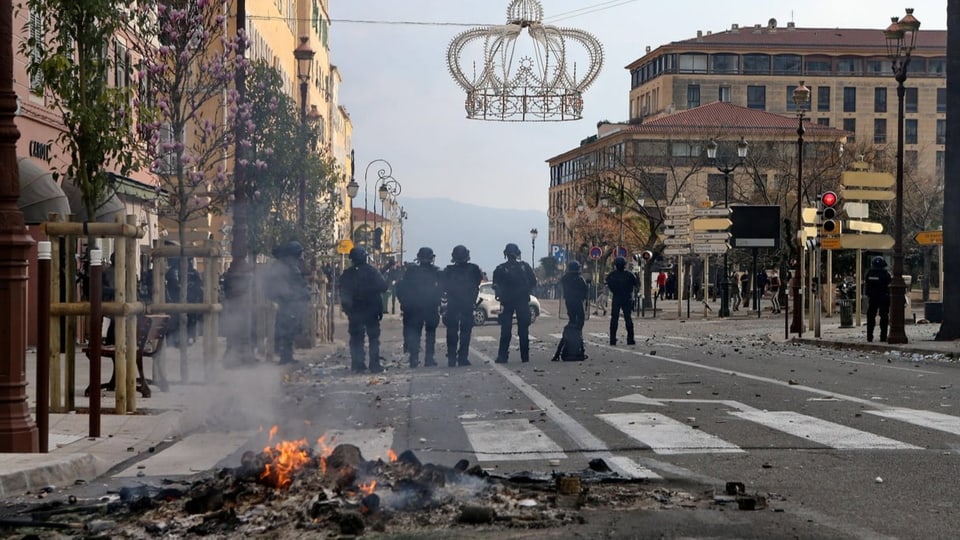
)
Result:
{"points": [[571, 347]]}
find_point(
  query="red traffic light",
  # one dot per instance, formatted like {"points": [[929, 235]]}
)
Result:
{"points": [[828, 199]]}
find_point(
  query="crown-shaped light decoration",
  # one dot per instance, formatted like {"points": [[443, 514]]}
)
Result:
{"points": [[520, 82]]}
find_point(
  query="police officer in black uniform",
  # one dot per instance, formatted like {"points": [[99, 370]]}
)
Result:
{"points": [[286, 286], [878, 297], [361, 290], [621, 284], [461, 284], [512, 282], [419, 291], [574, 293]]}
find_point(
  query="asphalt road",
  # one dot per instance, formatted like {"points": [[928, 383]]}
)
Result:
{"points": [[843, 444]]}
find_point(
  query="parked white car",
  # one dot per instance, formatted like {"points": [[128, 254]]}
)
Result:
{"points": [[488, 307]]}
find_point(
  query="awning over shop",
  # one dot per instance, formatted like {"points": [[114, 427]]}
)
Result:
{"points": [[106, 213], [40, 194]]}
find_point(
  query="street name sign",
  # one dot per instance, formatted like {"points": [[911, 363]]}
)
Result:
{"points": [[676, 251], [711, 212], [711, 236], [864, 226], [857, 210], [676, 241], [711, 248], [677, 210], [868, 194], [830, 242], [711, 224], [676, 222], [867, 179], [866, 241], [929, 238]]}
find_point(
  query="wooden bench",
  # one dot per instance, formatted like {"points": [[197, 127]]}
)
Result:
{"points": [[151, 330]]}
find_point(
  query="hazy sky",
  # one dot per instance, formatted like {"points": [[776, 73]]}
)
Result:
{"points": [[407, 109]]}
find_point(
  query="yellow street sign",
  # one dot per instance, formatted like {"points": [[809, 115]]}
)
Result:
{"points": [[868, 194], [711, 224], [867, 179], [809, 215], [864, 226], [929, 238], [706, 204], [344, 246], [866, 241], [832, 242]]}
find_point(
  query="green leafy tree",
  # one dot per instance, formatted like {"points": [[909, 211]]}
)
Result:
{"points": [[70, 62]]}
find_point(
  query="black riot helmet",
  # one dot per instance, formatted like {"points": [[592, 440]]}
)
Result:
{"points": [[511, 250], [358, 256], [573, 267], [425, 255], [620, 263], [878, 262], [460, 254]]}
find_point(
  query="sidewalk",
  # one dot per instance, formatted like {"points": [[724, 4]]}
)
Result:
{"points": [[235, 395]]}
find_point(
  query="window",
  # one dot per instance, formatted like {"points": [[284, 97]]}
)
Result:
{"points": [[937, 66], [879, 131], [941, 100], [823, 121], [849, 99], [791, 106], [823, 98], [756, 64], [685, 149], [693, 95], [910, 159], [880, 100], [787, 64], [723, 94], [715, 188], [941, 131], [38, 32], [910, 100], [850, 124], [878, 67], [656, 184], [940, 164], [693, 63], [757, 97], [818, 65], [848, 66], [725, 63], [910, 131]]}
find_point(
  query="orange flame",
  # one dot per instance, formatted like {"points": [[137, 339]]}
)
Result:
{"points": [[369, 487], [273, 432], [391, 455], [286, 458]]}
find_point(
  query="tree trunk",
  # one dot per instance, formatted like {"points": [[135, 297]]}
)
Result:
{"points": [[950, 295]]}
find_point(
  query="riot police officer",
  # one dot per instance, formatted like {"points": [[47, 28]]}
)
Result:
{"points": [[286, 286], [574, 293], [878, 297], [361, 290], [621, 284], [461, 284], [419, 291], [513, 281]]}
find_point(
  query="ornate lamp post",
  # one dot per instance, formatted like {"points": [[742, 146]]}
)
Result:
{"points": [[304, 55], [352, 188], [901, 38], [389, 189], [385, 171], [726, 168], [533, 247], [801, 98]]}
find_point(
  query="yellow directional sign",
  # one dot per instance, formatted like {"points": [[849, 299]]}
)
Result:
{"points": [[832, 242], [809, 215], [711, 224], [868, 194], [867, 241], [864, 226], [867, 179], [344, 246], [929, 238]]}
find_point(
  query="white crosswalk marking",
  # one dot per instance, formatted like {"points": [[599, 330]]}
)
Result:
{"points": [[510, 440], [821, 431], [665, 435], [927, 419], [373, 443]]}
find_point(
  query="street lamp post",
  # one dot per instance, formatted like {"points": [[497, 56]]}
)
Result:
{"points": [[726, 168], [389, 189], [304, 55], [352, 188], [385, 171], [533, 247], [901, 38], [801, 97]]}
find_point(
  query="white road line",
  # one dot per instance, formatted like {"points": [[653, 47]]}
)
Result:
{"points": [[510, 440], [822, 431], [198, 452], [556, 336], [484, 338], [591, 445], [665, 435], [373, 443], [927, 419]]}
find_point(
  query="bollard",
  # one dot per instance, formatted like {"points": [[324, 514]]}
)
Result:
{"points": [[44, 251], [96, 337]]}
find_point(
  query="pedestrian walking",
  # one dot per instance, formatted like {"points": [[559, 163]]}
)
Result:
{"points": [[621, 284], [419, 291], [512, 282], [878, 297], [361, 290], [760, 282], [461, 284], [574, 296], [661, 284], [734, 290], [774, 286], [745, 288], [286, 286]]}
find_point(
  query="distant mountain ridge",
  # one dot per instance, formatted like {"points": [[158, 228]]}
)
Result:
{"points": [[443, 223]]}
